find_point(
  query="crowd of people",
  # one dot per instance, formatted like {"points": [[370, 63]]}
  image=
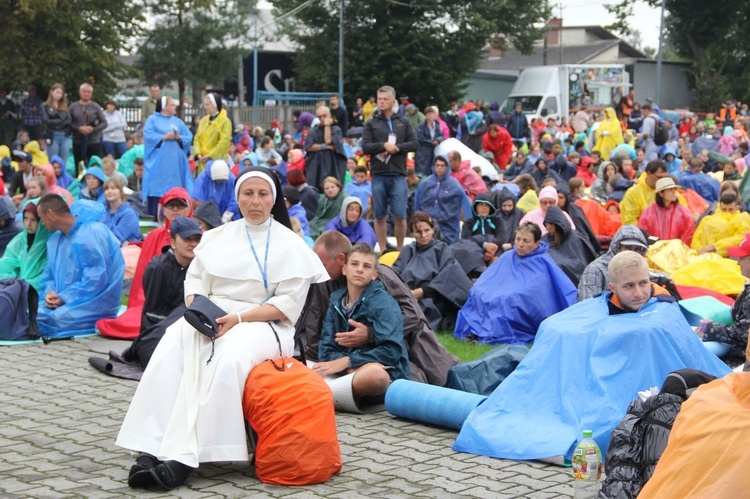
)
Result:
{"points": [[281, 229]]}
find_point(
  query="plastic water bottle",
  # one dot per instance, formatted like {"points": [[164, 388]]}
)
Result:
{"points": [[587, 467]]}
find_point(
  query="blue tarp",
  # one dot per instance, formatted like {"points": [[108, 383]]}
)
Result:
{"points": [[584, 369], [513, 296]]}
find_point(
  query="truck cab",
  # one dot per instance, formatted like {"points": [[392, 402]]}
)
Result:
{"points": [[556, 91]]}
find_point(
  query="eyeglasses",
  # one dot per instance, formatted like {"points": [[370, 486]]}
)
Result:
{"points": [[174, 206]]}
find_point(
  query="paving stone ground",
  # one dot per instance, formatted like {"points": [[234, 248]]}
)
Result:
{"points": [[59, 419]]}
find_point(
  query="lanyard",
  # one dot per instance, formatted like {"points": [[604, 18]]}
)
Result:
{"points": [[263, 270], [390, 125]]}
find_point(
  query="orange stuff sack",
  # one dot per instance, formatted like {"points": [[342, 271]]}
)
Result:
{"points": [[292, 412], [706, 456], [602, 222], [695, 203]]}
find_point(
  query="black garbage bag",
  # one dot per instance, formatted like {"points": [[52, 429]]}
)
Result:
{"points": [[639, 440]]}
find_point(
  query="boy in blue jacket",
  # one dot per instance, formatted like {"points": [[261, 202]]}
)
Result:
{"points": [[364, 300], [360, 186]]}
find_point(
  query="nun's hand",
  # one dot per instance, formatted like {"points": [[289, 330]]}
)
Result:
{"points": [[225, 323]]}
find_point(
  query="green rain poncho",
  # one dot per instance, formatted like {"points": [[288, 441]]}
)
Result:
{"points": [[23, 261]]}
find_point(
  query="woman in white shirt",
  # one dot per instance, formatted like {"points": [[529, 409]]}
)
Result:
{"points": [[113, 137]]}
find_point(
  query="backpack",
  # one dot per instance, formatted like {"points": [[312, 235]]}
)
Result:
{"points": [[18, 308], [290, 407], [661, 134]]}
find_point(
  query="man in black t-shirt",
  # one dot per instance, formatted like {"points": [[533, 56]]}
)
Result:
{"points": [[339, 114]]}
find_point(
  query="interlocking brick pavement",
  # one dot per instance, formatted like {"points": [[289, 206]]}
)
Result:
{"points": [[59, 419]]}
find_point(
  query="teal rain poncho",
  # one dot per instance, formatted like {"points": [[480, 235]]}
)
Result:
{"points": [[23, 261]]}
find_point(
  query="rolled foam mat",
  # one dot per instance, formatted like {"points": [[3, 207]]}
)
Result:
{"points": [[430, 404]]}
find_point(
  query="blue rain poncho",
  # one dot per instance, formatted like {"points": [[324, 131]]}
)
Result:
{"points": [[513, 296], [358, 232], [123, 223], [442, 198], [86, 193], [584, 369], [222, 193], [85, 268], [165, 163]]}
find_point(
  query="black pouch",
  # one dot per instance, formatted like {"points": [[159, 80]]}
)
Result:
{"points": [[202, 315]]}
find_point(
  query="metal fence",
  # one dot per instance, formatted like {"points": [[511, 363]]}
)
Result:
{"points": [[250, 116], [263, 116]]}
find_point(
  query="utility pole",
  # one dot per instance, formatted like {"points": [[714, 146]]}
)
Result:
{"points": [[560, 33], [659, 57], [241, 83], [255, 61], [341, 50]]}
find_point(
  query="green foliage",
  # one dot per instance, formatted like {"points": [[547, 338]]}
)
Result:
{"points": [[67, 41], [426, 51], [712, 36], [194, 41], [464, 350]]}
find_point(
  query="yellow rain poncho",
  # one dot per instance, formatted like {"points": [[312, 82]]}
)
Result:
{"points": [[37, 156], [5, 153], [609, 133], [213, 137], [687, 268], [529, 201], [721, 230]]}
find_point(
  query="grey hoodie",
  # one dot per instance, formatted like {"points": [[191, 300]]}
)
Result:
{"points": [[595, 277]]}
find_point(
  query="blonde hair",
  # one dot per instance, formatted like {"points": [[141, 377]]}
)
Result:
{"points": [[108, 160], [39, 179], [334, 181], [626, 262]]}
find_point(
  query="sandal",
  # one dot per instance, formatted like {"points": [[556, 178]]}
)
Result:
{"points": [[170, 474], [140, 473]]}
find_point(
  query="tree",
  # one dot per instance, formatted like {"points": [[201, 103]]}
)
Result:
{"points": [[194, 41], [712, 37], [426, 50], [67, 41]]}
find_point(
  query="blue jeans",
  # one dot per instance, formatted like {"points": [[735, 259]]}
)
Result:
{"points": [[60, 146], [389, 195], [115, 149]]}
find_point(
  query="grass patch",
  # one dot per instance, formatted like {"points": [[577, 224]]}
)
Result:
{"points": [[462, 349]]}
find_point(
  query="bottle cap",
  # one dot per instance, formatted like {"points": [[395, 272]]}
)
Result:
{"points": [[588, 434]]}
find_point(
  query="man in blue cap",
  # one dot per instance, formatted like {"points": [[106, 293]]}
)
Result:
{"points": [[17, 189], [163, 285]]}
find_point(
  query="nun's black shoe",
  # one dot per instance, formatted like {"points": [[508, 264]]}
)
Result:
{"points": [[140, 473], [170, 474]]}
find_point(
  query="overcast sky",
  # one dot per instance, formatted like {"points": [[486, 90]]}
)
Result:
{"points": [[593, 12]]}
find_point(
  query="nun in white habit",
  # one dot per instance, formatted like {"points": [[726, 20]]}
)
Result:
{"points": [[186, 411]]}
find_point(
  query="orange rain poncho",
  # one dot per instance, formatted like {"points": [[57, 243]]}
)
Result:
{"points": [[707, 453]]}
